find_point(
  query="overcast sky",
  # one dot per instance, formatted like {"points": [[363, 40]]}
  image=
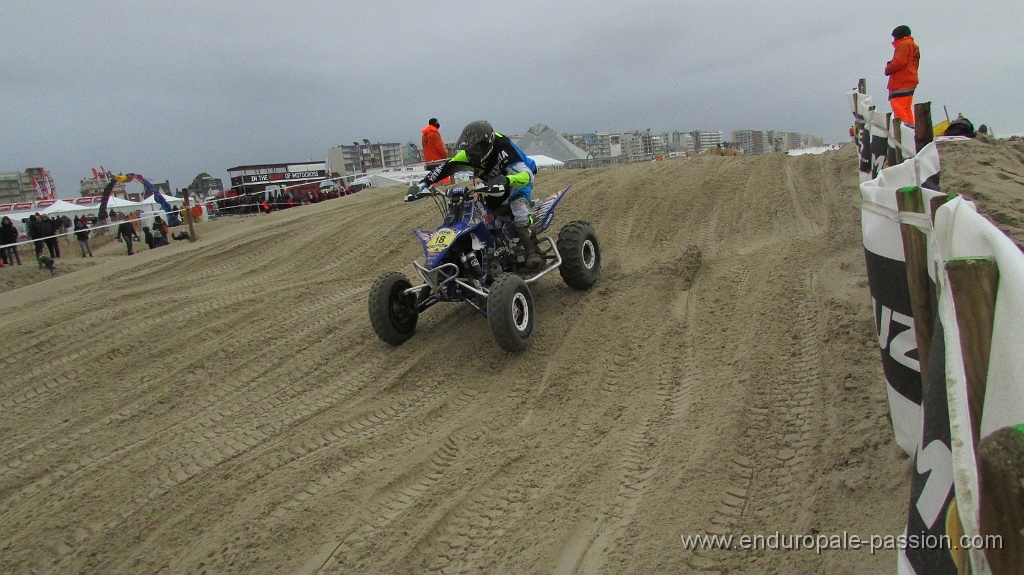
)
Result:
{"points": [[169, 89]]}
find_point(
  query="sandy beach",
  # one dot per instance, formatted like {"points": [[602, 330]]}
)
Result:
{"points": [[224, 406]]}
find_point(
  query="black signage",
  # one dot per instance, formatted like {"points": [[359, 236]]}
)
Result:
{"points": [[279, 177]]}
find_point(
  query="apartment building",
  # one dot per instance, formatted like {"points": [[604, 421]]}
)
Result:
{"points": [[27, 186], [752, 142], [597, 144], [14, 187], [706, 139], [361, 158], [762, 142], [680, 142]]}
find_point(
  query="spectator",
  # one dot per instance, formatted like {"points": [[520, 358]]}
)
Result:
{"points": [[433, 145], [35, 232], [50, 228], [149, 237], [82, 234], [8, 241], [47, 262], [161, 231], [902, 73], [180, 235], [434, 151], [125, 233]]}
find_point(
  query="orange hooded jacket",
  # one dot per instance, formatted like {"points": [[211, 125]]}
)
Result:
{"points": [[433, 145], [902, 69]]}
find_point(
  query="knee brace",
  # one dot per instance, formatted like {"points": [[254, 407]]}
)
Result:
{"points": [[521, 212]]}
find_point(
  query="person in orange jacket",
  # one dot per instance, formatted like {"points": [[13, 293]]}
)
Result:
{"points": [[433, 146], [902, 73], [434, 151]]}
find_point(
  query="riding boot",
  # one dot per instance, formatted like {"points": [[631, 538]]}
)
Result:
{"points": [[533, 258]]}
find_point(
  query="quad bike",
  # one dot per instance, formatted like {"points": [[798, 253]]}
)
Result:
{"points": [[474, 257]]}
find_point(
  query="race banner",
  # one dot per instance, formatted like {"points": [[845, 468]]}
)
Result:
{"points": [[918, 410], [873, 137], [890, 294], [932, 421], [961, 232], [932, 517]]}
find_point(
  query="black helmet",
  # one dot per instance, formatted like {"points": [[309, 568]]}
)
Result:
{"points": [[477, 140]]}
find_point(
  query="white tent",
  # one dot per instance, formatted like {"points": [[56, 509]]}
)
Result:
{"points": [[173, 200], [62, 207], [116, 202], [545, 161], [379, 181]]}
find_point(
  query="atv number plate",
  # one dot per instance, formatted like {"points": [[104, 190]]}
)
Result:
{"points": [[441, 240]]}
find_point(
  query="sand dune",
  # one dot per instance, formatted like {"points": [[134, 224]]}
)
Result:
{"points": [[225, 407]]}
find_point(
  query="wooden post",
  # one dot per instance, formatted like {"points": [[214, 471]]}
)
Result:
{"points": [[923, 125], [858, 123], [974, 282], [1001, 494], [188, 217], [938, 201], [915, 251], [897, 135]]}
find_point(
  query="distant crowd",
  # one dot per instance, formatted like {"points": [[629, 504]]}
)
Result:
{"points": [[43, 230], [256, 203]]}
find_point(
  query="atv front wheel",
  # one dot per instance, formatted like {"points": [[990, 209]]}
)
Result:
{"points": [[392, 313], [510, 312], [581, 255]]}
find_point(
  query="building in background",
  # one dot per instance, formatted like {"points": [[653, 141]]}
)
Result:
{"points": [[706, 139], [576, 150], [597, 144], [30, 185], [638, 145], [752, 142], [95, 185], [809, 141], [676, 141], [366, 157], [15, 187], [204, 185], [756, 142]]}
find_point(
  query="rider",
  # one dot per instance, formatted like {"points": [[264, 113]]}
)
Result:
{"points": [[495, 159]]}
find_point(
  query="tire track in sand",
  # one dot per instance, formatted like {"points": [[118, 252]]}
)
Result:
{"points": [[783, 415]]}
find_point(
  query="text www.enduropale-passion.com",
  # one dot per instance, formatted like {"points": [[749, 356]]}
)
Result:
{"points": [[838, 542]]}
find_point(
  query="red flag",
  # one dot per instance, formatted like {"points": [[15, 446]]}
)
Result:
{"points": [[35, 184], [49, 188]]}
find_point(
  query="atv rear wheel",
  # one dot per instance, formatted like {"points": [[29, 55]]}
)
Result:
{"points": [[510, 312], [392, 313], [581, 255]]}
